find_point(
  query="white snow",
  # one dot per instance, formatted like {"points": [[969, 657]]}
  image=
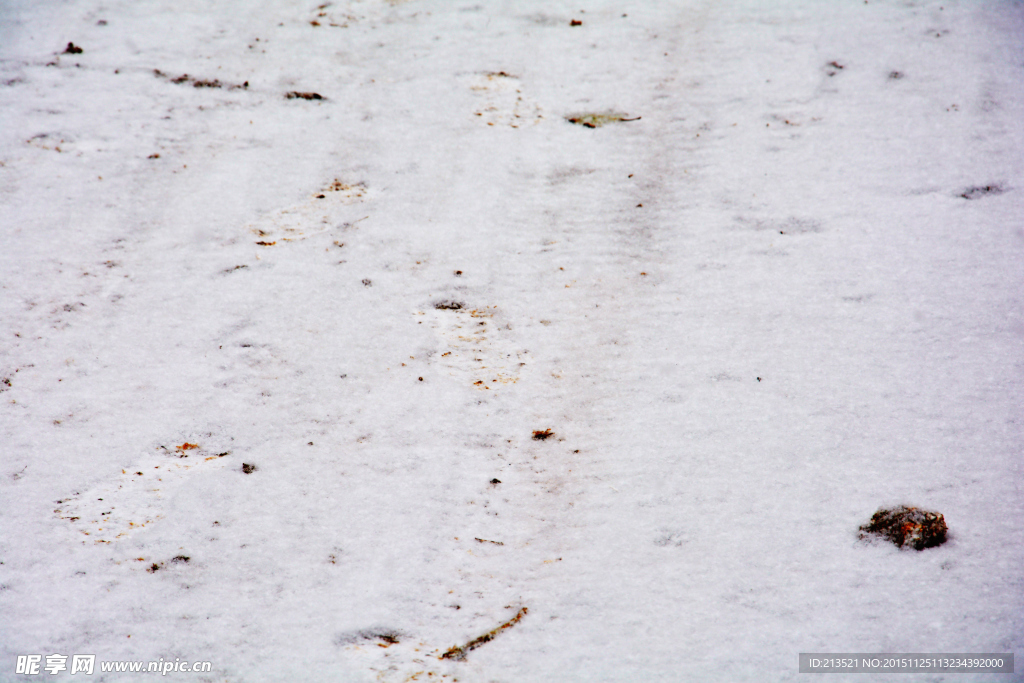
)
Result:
{"points": [[750, 318]]}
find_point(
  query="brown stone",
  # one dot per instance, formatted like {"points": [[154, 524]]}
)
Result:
{"points": [[907, 527]]}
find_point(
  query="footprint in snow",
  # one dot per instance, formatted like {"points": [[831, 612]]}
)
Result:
{"points": [[134, 498], [326, 209], [476, 349]]}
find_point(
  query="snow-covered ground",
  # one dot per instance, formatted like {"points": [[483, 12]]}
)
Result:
{"points": [[787, 295]]}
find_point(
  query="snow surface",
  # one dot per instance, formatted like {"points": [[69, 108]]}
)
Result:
{"points": [[750, 319]]}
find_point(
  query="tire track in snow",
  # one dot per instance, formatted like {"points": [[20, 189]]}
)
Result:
{"points": [[571, 292]]}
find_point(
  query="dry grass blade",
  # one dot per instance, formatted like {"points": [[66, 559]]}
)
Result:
{"points": [[459, 653], [596, 120]]}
